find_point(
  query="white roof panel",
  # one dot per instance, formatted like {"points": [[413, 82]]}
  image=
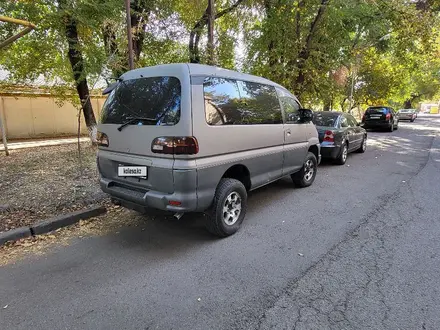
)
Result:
{"points": [[179, 69]]}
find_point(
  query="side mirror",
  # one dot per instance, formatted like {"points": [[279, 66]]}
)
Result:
{"points": [[305, 115]]}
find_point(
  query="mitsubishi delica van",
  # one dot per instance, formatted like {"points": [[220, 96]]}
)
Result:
{"points": [[196, 138]]}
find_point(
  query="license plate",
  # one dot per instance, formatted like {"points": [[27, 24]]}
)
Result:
{"points": [[375, 117], [138, 171]]}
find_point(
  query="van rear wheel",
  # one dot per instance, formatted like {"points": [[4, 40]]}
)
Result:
{"points": [[228, 209]]}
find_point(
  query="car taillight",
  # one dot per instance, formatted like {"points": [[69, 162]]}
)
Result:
{"points": [[388, 116], [175, 145], [328, 136], [363, 117], [102, 139]]}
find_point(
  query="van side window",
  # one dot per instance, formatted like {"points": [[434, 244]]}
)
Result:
{"points": [[221, 101], [259, 104], [290, 107], [231, 102]]}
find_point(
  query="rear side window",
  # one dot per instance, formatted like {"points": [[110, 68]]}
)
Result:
{"points": [[232, 102], [344, 122], [352, 122], [221, 101], [144, 101]]}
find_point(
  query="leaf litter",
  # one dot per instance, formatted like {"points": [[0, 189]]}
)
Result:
{"points": [[39, 183]]}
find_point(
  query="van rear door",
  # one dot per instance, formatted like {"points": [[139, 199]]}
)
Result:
{"points": [[139, 110]]}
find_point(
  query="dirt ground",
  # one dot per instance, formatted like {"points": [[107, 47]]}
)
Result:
{"points": [[38, 183]]}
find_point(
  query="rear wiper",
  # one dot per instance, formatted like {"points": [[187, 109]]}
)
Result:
{"points": [[131, 120]]}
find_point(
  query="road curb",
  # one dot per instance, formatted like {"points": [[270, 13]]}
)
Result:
{"points": [[66, 220], [50, 224], [15, 234]]}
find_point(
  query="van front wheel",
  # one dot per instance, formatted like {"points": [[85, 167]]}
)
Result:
{"points": [[306, 176], [228, 209]]}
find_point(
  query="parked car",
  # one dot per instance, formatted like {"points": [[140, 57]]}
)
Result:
{"points": [[188, 137], [408, 114], [339, 134], [380, 118]]}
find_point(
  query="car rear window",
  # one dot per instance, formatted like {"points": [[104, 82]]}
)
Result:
{"points": [[380, 110], [329, 120], [155, 99]]}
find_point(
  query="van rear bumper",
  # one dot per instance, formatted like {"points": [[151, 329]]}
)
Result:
{"points": [[185, 187]]}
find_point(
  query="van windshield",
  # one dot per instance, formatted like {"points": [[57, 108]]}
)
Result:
{"points": [[144, 101]]}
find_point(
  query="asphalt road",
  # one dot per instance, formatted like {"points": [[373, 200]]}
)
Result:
{"points": [[357, 250]]}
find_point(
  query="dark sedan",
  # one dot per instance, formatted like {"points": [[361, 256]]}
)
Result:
{"points": [[339, 134], [381, 118]]}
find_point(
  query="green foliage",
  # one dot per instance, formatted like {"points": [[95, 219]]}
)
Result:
{"points": [[316, 48]]}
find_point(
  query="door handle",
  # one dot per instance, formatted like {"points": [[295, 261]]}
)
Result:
{"points": [[288, 132]]}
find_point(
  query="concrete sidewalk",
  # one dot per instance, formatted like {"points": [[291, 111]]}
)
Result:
{"points": [[41, 143]]}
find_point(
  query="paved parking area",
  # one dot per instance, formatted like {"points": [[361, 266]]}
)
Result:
{"points": [[357, 250]]}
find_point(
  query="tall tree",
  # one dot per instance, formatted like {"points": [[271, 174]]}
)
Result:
{"points": [[197, 30], [76, 60]]}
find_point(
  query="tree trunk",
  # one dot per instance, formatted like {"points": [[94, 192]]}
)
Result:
{"points": [[211, 18], [305, 52], [408, 104], [111, 49], [194, 38], [138, 25], [196, 32], [77, 63]]}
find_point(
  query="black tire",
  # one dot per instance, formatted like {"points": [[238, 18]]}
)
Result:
{"points": [[302, 178], [341, 159], [363, 146], [216, 223], [412, 120]]}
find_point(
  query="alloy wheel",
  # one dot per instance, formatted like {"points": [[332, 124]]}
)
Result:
{"points": [[232, 208]]}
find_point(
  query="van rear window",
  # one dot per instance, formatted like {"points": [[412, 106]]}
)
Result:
{"points": [[144, 101]]}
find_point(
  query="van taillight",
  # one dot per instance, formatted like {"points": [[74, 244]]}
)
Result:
{"points": [[102, 139], [175, 145], [388, 116]]}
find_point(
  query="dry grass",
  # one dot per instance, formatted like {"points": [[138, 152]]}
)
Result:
{"points": [[41, 182]]}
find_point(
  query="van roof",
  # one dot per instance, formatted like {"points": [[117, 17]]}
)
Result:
{"points": [[196, 70]]}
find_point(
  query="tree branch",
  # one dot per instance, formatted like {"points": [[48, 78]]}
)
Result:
{"points": [[229, 9]]}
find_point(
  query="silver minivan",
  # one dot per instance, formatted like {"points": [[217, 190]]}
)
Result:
{"points": [[196, 138]]}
